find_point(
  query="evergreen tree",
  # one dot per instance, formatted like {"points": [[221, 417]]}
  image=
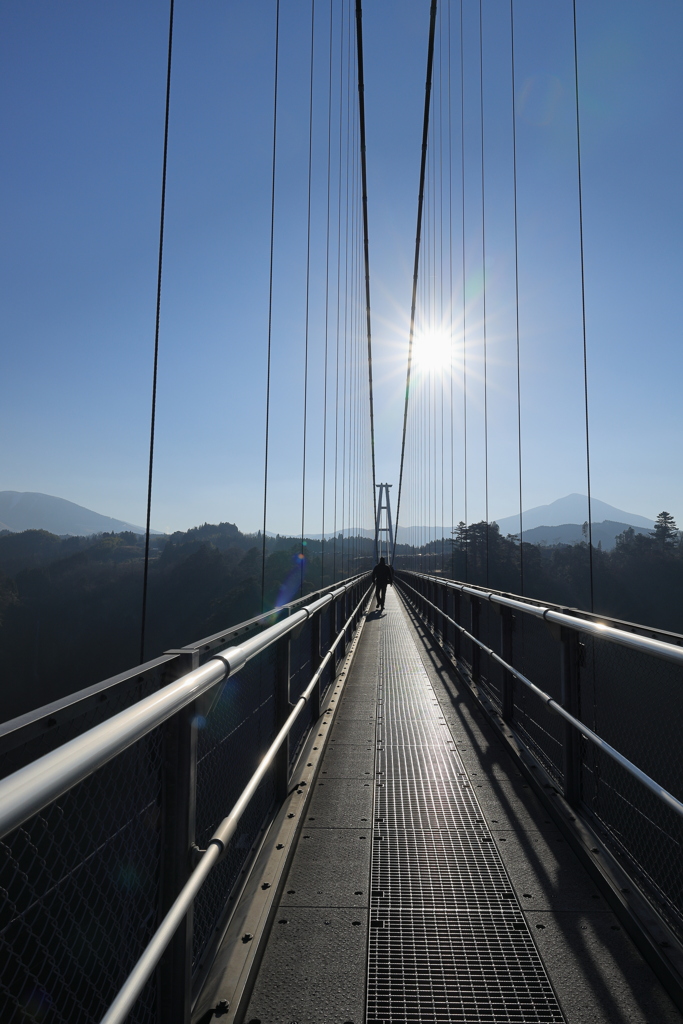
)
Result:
{"points": [[665, 530]]}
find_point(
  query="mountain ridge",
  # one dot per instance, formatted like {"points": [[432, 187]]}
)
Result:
{"points": [[573, 508], [33, 510]]}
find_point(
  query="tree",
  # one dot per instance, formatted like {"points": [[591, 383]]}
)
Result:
{"points": [[460, 536], [665, 530]]}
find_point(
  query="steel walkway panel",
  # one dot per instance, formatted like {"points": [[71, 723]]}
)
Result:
{"points": [[448, 939]]}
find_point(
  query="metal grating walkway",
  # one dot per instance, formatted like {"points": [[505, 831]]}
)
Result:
{"points": [[448, 940]]}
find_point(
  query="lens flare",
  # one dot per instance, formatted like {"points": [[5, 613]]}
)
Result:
{"points": [[432, 350]]}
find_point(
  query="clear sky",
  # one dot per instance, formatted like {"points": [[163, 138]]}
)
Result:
{"points": [[82, 124]]}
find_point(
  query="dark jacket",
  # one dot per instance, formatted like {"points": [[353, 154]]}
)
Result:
{"points": [[382, 573]]}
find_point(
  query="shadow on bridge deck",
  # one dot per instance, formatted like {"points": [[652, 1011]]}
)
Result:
{"points": [[428, 883]]}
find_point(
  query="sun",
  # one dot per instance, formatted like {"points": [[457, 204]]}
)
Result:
{"points": [[432, 350]]}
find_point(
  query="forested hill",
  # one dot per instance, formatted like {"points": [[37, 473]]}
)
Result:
{"points": [[639, 580], [70, 607]]}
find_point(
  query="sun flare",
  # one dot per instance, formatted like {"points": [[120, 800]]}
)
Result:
{"points": [[433, 350]]}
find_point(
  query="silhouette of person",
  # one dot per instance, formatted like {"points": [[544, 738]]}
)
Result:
{"points": [[382, 576]]}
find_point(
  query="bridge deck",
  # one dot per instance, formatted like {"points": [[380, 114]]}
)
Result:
{"points": [[428, 883]]}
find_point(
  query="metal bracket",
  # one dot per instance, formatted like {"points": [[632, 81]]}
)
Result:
{"points": [[195, 855]]}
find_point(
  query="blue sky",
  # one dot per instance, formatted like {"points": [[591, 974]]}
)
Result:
{"points": [[82, 120]]}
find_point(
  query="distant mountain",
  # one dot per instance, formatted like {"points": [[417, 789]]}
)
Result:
{"points": [[347, 532], [418, 535], [571, 509], [604, 533], [29, 510]]}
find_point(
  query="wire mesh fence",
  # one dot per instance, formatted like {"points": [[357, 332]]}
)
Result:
{"points": [[81, 882], [635, 702], [537, 654], [80, 894], [490, 634], [231, 741], [632, 699]]}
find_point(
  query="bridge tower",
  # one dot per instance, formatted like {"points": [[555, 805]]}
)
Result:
{"points": [[384, 530]]}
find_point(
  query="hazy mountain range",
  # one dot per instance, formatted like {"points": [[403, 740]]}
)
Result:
{"points": [[557, 523], [571, 509], [30, 510]]}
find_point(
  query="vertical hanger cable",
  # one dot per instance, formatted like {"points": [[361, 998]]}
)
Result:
{"points": [[160, 260], [270, 305], [583, 311], [416, 264]]}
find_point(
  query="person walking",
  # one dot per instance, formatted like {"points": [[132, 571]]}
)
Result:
{"points": [[382, 576]]}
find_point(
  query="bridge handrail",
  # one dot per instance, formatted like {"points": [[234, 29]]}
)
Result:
{"points": [[633, 769], [31, 788], [36, 717], [647, 645], [134, 984]]}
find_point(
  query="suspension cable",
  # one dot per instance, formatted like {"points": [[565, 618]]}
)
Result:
{"points": [[308, 304], [416, 264], [270, 303], [450, 288], [519, 383], [583, 310], [366, 248], [339, 207], [483, 272], [327, 295], [162, 217], [464, 291]]}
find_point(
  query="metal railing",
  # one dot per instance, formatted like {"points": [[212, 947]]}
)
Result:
{"points": [[600, 706], [100, 832]]}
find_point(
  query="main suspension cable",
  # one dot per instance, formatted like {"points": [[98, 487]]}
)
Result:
{"points": [[162, 218], [308, 305], [583, 310], [270, 304], [366, 248], [327, 294], [416, 264], [464, 289], [450, 290], [483, 273], [519, 379]]}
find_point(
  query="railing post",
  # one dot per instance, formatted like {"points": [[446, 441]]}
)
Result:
{"points": [[282, 709], [336, 604], [177, 826], [315, 664], [507, 685], [570, 694], [475, 605], [448, 628], [456, 618]]}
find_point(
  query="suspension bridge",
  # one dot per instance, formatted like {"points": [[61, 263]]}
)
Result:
{"points": [[464, 807]]}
